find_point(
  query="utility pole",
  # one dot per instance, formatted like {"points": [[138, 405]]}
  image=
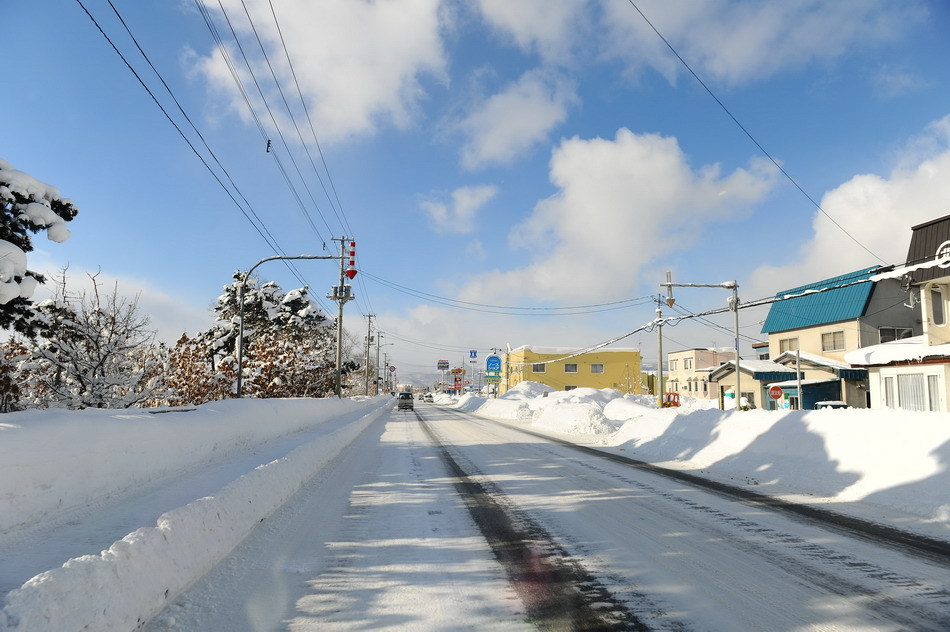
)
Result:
{"points": [[733, 305], [341, 294], [379, 336], [369, 340], [659, 355]]}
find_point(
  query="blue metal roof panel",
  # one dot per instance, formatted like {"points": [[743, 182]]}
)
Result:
{"points": [[818, 308]]}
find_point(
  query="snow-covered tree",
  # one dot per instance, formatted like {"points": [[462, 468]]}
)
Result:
{"points": [[27, 206], [13, 355], [193, 376], [289, 348], [93, 351]]}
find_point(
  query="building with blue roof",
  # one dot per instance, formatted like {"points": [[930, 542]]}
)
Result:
{"points": [[825, 320]]}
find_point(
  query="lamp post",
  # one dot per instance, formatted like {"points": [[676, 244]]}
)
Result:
{"points": [[240, 340], [733, 306]]}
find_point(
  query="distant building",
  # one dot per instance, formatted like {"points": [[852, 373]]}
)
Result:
{"points": [[562, 370], [688, 373], [757, 375]]}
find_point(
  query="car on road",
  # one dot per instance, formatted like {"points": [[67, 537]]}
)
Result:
{"points": [[427, 398], [404, 401]]}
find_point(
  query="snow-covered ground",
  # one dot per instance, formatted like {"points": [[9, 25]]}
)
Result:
{"points": [[887, 466], [882, 465]]}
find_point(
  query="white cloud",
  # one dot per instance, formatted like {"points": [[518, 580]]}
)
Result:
{"points": [[358, 64], [735, 42], [458, 216], [537, 25], [621, 203], [877, 211], [516, 119]]}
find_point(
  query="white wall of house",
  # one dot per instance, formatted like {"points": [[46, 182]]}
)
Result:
{"points": [[910, 387]]}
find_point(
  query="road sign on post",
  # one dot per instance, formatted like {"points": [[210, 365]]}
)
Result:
{"points": [[776, 392], [493, 363]]}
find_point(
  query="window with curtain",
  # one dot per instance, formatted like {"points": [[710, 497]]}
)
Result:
{"points": [[832, 341], [787, 344], [911, 391]]}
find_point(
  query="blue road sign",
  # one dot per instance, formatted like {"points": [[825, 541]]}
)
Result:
{"points": [[493, 363], [473, 354]]}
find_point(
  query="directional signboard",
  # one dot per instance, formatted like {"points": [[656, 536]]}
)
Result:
{"points": [[443, 365]]}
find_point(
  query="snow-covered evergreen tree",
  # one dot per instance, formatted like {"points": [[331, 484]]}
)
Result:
{"points": [[289, 347], [27, 206]]}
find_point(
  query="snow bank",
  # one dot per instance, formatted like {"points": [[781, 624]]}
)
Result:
{"points": [[124, 586], [57, 460], [850, 459], [527, 390]]}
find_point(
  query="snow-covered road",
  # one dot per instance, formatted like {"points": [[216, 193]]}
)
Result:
{"points": [[381, 539]]}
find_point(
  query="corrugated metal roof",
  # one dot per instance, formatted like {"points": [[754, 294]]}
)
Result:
{"points": [[819, 308]]}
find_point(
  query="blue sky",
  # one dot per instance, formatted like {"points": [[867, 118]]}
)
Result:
{"points": [[528, 153]]}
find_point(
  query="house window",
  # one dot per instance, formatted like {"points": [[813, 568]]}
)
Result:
{"points": [[832, 341], [705, 387], [936, 306], [911, 391], [569, 388], [687, 364], [890, 334], [674, 364], [787, 344], [538, 368], [933, 392], [889, 392], [597, 368], [570, 367]]}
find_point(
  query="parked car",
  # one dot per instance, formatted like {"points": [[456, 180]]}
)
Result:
{"points": [[427, 398], [404, 401]]}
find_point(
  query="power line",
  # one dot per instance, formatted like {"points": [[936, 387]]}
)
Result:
{"points": [[273, 119], [249, 212], [749, 134], [513, 310], [341, 216]]}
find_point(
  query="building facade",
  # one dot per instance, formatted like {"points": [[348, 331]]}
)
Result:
{"points": [[688, 371], [913, 373], [563, 369], [826, 320]]}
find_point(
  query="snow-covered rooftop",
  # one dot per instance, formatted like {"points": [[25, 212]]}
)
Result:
{"points": [[569, 350], [812, 358], [906, 350], [752, 366]]}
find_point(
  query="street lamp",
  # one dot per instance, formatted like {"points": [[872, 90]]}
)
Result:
{"points": [[240, 340]]}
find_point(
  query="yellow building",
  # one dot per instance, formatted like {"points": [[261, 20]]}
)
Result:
{"points": [[562, 370]]}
